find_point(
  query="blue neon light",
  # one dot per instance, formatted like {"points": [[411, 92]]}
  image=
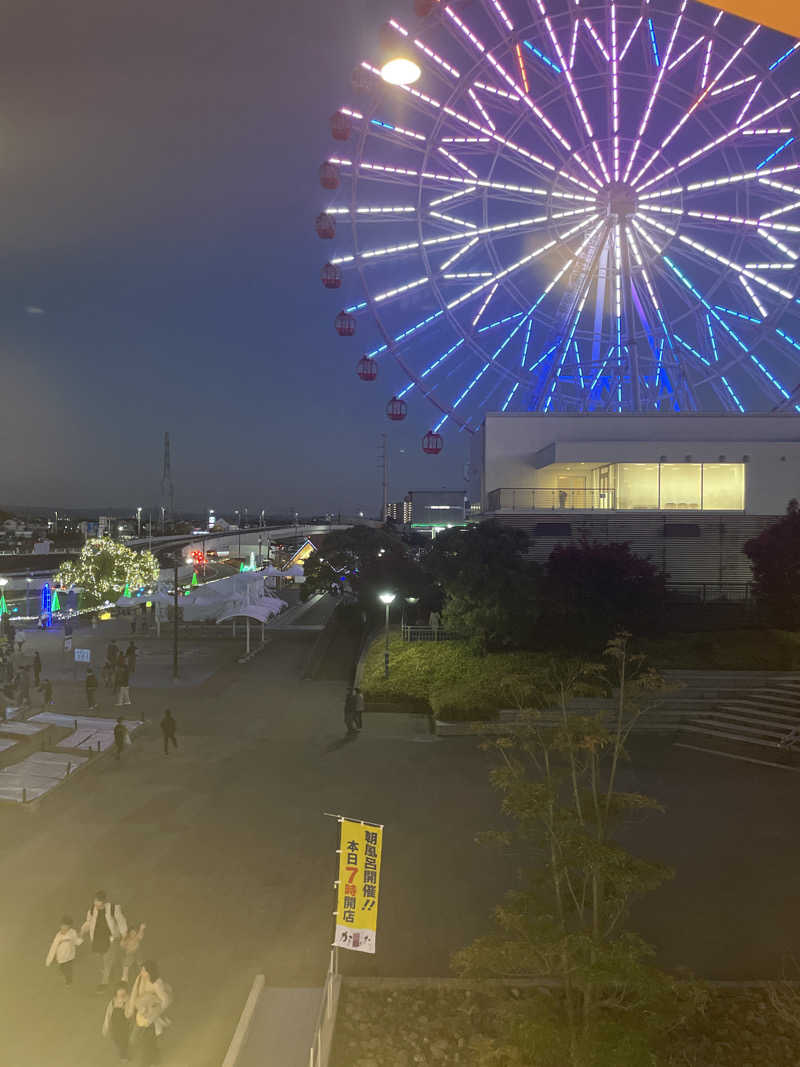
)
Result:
{"points": [[736, 399], [542, 56], [656, 59], [357, 307], [713, 338], [772, 155], [378, 122], [738, 314], [508, 398], [785, 55], [786, 337]]}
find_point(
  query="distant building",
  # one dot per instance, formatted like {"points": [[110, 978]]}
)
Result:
{"points": [[41, 548], [686, 490], [88, 529], [431, 510]]}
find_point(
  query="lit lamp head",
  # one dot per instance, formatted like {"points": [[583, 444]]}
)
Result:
{"points": [[386, 598], [400, 70], [412, 599], [4, 581]]}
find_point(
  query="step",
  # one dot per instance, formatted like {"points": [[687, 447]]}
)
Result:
{"points": [[738, 724], [731, 737], [756, 713]]}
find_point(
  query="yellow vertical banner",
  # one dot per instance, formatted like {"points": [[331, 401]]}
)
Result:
{"points": [[360, 850]]}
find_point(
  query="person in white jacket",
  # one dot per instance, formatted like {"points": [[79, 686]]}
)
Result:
{"points": [[105, 924], [149, 999], [62, 951]]}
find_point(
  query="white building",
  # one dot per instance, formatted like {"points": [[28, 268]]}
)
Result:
{"points": [[687, 490]]}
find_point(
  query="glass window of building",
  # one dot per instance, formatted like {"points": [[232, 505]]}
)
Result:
{"points": [[637, 486], [681, 486], [723, 487]]}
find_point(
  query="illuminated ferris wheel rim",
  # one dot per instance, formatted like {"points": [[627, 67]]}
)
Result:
{"points": [[615, 170]]}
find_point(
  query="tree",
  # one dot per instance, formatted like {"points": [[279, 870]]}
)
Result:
{"points": [[567, 919], [489, 589], [105, 567], [591, 589], [372, 560], [775, 555]]}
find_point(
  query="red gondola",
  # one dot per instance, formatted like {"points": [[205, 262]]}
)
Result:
{"points": [[341, 126], [367, 369], [345, 324], [331, 276], [329, 176], [432, 443], [325, 226], [396, 409]]}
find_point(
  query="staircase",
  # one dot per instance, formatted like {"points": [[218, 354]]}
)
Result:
{"points": [[761, 720]]}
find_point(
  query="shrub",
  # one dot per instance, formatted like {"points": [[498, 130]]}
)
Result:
{"points": [[466, 703]]}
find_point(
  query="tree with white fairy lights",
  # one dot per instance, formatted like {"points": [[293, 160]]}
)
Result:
{"points": [[105, 567]]}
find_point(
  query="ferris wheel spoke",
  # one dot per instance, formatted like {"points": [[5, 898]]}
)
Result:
{"points": [[662, 70]]}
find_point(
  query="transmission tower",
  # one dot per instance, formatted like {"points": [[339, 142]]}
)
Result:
{"points": [[167, 491]]}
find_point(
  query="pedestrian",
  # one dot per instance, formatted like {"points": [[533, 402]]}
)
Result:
{"points": [[25, 687], [121, 738], [350, 711], [168, 726], [62, 950], [116, 1023], [359, 708], [47, 687], [105, 924], [123, 683], [130, 656], [149, 999], [130, 949], [112, 653], [107, 674], [91, 689], [37, 668], [133, 625]]}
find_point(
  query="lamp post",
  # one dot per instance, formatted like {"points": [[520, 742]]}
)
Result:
{"points": [[28, 596], [386, 599], [407, 600], [138, 522], [4, 612], [175, 562], [163, 516]]}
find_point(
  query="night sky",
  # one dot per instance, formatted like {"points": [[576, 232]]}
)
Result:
{"points": [[159, 186]]}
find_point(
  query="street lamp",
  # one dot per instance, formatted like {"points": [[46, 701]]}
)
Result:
{"points": [[408, 600], [138, 522], [28, 596], [3, 584], [387, 599]]}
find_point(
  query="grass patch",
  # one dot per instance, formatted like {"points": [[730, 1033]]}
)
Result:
{"points": [[444, 677], [726, 650]]}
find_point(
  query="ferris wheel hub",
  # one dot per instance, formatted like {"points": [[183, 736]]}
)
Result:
{"points": [[617, 200]]}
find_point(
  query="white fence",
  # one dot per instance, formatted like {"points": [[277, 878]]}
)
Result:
{"points": [[320, 1051]]}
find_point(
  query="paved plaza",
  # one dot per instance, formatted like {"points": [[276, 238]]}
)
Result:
{"points": [[223, 849]]}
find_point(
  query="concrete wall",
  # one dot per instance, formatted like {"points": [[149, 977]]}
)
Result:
{"points": [[505, 449]]}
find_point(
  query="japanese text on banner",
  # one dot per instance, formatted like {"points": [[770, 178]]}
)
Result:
{"points": [[361, 846]]}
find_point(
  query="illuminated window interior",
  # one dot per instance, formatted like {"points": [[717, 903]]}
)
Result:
{"points": [[643, 487]]}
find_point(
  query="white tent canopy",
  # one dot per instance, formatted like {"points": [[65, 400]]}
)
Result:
{"points": [[261, 611]]}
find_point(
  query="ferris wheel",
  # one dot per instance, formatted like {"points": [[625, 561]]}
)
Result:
{"points": [[554, 206]]}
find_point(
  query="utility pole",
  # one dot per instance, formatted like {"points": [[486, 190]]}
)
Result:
{"points": [[383, 466], [167, 491], [175, 622]]}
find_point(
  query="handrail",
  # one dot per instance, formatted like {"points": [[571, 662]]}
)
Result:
{"points": [[551, 498], [320, 1049]]}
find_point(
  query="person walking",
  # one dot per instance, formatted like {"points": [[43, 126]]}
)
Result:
{"points": [[112, 653], [123, 683], [130, 657], [116, 1023], [350, 711], [121, 738], [105, 924], [149, 999], [359, 706], [91, 689], [168, 727], [47, 689], [63, 949], [37, 668], [130, 944]]}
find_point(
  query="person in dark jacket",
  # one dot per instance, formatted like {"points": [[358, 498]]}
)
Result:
{"points": [[91, 689], [130, 657], [123, 682], [168, 727], [350, 714], [121, 736], [37, 668]]}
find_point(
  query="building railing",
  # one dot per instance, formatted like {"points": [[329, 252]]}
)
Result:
{"points": [[428, 633], [320, 1051], [551, 500], [710, 591]]}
